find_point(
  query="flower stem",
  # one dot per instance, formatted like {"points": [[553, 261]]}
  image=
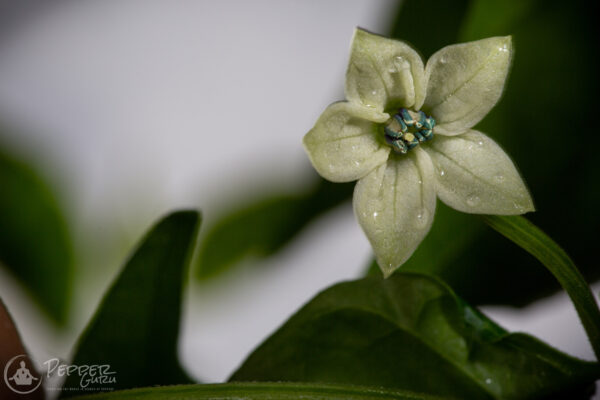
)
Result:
{"points": [[533, 240]]}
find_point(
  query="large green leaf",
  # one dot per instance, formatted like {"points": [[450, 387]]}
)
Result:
{"points": [[263, 391], [136, 327], [262, 228], [34, 242], [412, 333]]}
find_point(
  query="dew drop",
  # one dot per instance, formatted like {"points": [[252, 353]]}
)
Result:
{"points": [[422, 218], [488, 381], [442, 172], [518, 207], [374, 92], [375, 214], [473, 200], [420, 182], [480, 143], [443, 60], [499, 178], [400, 64]]}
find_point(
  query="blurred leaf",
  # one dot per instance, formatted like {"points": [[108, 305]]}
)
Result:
{"points": [[12, 351], [429, 25], [34, 242], [262, 391], [486, 18], [262, 228], [136, 327], [412, 333]]}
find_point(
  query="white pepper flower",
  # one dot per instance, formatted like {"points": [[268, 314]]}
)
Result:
{"points": [[405, 134]]}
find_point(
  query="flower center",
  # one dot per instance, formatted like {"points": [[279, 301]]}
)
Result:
{"points": [[406, 129]]}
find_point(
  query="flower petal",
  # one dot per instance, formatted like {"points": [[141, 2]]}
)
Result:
{"points": [[475, 175], [383, 73], [344, 145], [464, 81], [395, 205]]}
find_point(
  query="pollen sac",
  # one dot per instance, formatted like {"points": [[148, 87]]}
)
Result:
{"points": [[406, 129]]}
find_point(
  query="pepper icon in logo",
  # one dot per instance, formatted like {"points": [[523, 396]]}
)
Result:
{"points": [[19, 378]]}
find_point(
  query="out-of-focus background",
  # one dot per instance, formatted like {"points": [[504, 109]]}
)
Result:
{"points": [[116, 112]]}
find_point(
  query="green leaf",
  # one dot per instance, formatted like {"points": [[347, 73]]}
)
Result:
{"points": [[262, 228], [136, 327], [34, 241], [262, 391], [411, 332], [533, 240]]}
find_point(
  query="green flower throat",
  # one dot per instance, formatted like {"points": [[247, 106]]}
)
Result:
{"points": [[406, 129]]}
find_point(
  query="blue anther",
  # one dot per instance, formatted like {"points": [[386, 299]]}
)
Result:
{"points": [[392, 134], [408, 119], [421, 121], [399, 146], [426, 133], [400, 121], [419, 136], [429, 123]]}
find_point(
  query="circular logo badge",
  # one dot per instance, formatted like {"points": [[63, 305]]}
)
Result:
{"points": [[18, 376]]}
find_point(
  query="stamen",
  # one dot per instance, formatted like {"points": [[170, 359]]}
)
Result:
{"points": [[406, 129]]}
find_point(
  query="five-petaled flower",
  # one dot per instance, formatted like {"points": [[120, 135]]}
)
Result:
{"points": [[405, 134]]}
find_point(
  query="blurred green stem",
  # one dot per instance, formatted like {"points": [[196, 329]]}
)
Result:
{"points": [[533, 240]]}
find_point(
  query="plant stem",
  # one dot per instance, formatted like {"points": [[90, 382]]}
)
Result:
{"points": [[533, 240]]}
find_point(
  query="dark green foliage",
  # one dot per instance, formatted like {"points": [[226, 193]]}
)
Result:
{"points": [[263, 391], [34, 241], [135, 329], [412, 333]]}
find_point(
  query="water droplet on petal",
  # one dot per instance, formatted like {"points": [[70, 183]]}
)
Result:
{"points": [[401, 63], [473, 200], [420, 182], [499, 178], [374, 92], [442, 173], [488, 381], [518, 207], [443, 60], [480, 143], [422, 218]]}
